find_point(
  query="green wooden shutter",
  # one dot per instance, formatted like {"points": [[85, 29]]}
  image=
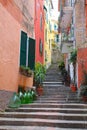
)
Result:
{"points": [[23, 48], [31, 54]]}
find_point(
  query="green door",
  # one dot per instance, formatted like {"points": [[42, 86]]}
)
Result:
{"points": [[23, 48], [31, 54]]}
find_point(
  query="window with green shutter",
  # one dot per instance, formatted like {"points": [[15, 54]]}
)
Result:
{"points": [[27, 51], [31, 53], [23, 48]]}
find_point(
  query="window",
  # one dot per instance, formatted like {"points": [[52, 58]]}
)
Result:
{"points": [[27, 51], [45, 56], [40, 47], [49, 43], [46, 17], [23, 49], [57, 38], [41, 21], [55, 27], [45, 34]]}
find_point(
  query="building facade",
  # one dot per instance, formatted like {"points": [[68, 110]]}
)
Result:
{"points": [[48, 6], [78, 29], [17, 32], [39, 31]]}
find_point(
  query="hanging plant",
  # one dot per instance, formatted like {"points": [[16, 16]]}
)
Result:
{"points": [[73, 56]]}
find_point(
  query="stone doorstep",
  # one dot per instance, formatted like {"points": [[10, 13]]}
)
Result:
{"points": [[43, 122], [34, 128]]}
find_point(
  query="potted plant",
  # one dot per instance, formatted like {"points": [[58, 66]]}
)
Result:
{"points": [[39, 75], [73, 86], [82, 92], [25, 77]]}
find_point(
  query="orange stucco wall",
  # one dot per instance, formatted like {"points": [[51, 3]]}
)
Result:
{"points": [[12, 21], [9, 51]]}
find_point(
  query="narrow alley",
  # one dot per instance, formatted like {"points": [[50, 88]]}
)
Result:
{"points": [[57, 109], [43, 64]]}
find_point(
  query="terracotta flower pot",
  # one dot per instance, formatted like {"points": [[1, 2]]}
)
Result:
{"points": [[25, 81], [39, 90], [73, 87], [29, 82], [22, 80]]}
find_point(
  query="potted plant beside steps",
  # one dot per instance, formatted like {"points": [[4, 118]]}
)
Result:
{"points": [[39, 75], [82, 91], [25, 77], [73, 86]]}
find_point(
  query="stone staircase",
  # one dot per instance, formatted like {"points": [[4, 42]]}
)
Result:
{"points": [[57, 109]]}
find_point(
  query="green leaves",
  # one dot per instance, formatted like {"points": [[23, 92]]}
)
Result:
{"points": [[39, 73], [26, 71], [73, 56]]}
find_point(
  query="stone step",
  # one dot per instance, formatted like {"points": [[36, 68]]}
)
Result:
{"points": [[50, 109], [12, 127], [43, 122], [55, 99], [62, 105], [58, 96], [55, 76], [52, 82], [53, 79], [45, 115], [55, 94], [52, 85], [59, 101]]}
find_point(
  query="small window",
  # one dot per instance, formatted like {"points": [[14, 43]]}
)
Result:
{"points": [[40, 47], [49, 43], [41, 21], [45, 34]]}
